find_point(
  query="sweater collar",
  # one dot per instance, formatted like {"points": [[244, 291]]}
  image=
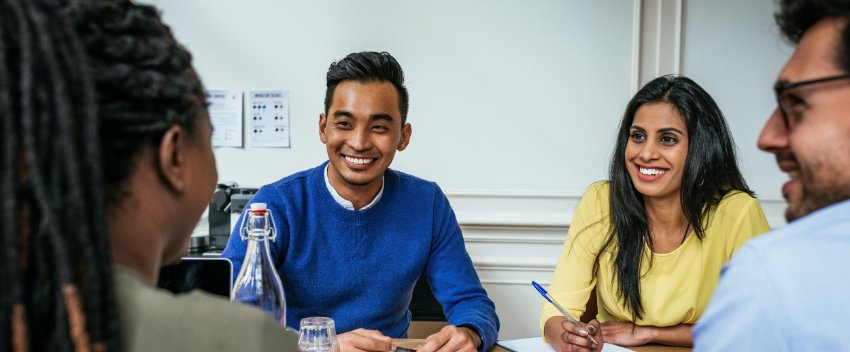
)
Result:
{"points": [[345, 203]]}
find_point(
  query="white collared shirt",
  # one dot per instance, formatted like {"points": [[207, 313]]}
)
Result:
{"points": [[345, 203]]}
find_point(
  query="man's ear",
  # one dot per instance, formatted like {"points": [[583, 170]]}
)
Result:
{"points": [[322, 123], [406, 131], [171, 158]]}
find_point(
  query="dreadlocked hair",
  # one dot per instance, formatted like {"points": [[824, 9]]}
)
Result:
{"points": [[84, 86], [56, 264], [144, 79]]}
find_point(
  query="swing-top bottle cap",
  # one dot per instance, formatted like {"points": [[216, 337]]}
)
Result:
{"points": [[258, 207]]}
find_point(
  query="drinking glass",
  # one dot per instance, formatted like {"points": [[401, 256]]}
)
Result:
{"points": [[317, 334]]}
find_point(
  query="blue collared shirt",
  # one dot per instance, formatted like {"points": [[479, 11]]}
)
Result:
{"points": [[788, 290]]}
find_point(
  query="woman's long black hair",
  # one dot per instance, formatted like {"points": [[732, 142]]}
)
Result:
{"points": [[84, 86], [711, 171]]}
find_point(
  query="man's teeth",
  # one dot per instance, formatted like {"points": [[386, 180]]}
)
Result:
{"points": [[651, 172], [358, 161], [794, 174]]}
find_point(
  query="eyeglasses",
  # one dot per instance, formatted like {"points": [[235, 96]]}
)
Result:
{"points": [[782, 100]]}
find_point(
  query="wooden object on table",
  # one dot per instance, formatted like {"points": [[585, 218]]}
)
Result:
{"points": [[423, 329]]}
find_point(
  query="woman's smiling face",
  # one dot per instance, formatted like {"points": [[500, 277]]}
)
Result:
{"points": [[656, 150]]}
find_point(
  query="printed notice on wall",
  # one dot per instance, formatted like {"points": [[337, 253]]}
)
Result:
{"points": [[268, 119], [225, 107]]}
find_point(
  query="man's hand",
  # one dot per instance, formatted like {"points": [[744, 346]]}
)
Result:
{"points": [[452, 339], [364, 340]]}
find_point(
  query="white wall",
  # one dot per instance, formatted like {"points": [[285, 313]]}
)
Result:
{"points": [[513, 103], [505, 95], [734, 50]]}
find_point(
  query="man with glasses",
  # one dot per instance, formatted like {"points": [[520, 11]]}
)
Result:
{"points": [[788, 291]]}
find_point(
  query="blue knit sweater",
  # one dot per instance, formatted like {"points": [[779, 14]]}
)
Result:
{"points": [[359, 267]]}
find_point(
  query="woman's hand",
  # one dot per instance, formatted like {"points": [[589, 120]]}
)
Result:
{"points": [[626, 334], [565, 336]]}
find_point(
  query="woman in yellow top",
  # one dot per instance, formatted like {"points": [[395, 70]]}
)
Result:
{"points": [[652, 239]]}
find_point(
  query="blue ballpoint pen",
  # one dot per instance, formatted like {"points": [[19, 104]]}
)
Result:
{"points": [[560, 308]]}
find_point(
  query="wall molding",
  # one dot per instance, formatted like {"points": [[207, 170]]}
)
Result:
{"points": [[512, 234], [516, 236], [659, 29], [637, 20], [514, 282], [514, 263], [513, 208], [539, 210], [515, 270]]}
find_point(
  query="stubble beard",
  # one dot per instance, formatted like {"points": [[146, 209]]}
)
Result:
{"points": [[822, 188]]}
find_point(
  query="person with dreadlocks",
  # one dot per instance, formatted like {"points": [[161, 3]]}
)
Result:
{"points": [[106, 168]]}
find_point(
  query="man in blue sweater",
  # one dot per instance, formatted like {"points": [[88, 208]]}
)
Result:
{"points": [[354, 236]]}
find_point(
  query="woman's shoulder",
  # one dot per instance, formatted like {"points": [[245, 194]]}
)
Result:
{"points": [[598, 192], [145, 311], [602, 186], [593, 204], [736, 201], [737, 206], [591, 219]]}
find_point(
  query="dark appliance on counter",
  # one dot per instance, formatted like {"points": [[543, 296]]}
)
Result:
{"points": [[227, 204]]}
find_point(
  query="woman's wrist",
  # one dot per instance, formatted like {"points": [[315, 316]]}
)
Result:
{"points": [[646, 334]]}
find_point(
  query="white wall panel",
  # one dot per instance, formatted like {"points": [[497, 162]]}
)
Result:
{"points": [[733, 49], [505, 95]]}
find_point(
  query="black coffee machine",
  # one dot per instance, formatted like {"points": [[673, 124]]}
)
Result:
{"points": [[227, 204]]}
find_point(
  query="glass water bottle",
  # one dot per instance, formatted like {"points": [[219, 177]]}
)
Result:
{"points": [[258, 283]]}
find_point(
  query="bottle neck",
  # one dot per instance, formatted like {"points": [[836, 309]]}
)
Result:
{"points": [[258, 235], [257, 250], [258, 228]]}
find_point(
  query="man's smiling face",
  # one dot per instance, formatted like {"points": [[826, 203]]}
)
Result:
{"points": [[362, 132]]}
